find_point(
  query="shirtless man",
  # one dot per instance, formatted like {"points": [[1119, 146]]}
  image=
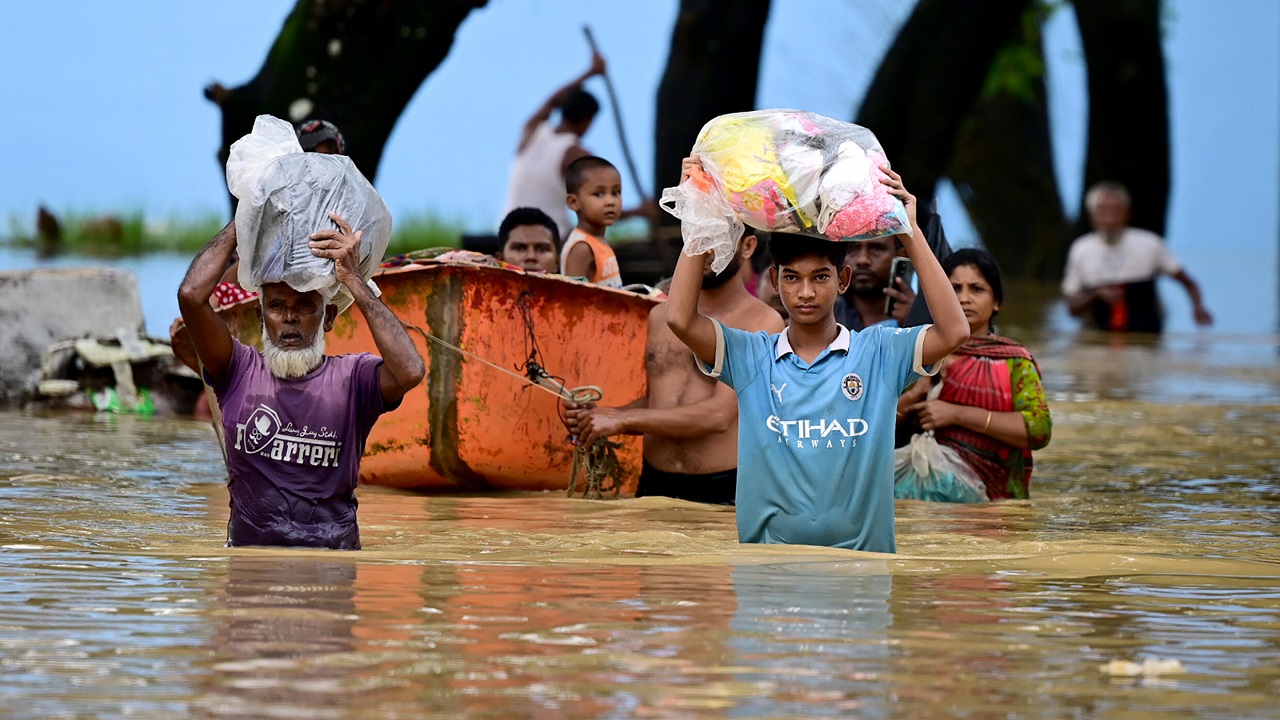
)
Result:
{"points": [[689, 421]]}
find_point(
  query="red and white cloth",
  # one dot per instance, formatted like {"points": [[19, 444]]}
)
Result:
{"points": [[230, 293]]}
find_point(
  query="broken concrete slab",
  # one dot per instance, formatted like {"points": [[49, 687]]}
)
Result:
{"points": [[43, 306]]}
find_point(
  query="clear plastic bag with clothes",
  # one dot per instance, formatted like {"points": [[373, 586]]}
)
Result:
{"points": [[924, 469], [286, 195], [783, 171]]}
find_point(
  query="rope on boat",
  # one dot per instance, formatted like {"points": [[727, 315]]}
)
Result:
{"points": [[597, 463]]}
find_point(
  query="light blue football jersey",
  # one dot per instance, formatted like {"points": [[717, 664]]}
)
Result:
{"points": [[815, 442]]}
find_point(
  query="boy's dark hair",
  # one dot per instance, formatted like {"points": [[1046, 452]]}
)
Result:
{"points": [[526, 216], [786, 248], [577, 169], [580, 106], [982, 260]]}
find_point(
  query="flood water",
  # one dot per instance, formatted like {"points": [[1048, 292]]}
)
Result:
{"points": [[1150, 538]]}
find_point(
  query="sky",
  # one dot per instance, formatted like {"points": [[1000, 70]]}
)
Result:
{"points": [[104, 111]]}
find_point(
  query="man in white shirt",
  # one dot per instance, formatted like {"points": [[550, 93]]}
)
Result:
{"points": [[546, 149], [1111, 272]]}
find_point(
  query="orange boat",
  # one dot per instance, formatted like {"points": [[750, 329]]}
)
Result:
{"points": [[470, 426]]}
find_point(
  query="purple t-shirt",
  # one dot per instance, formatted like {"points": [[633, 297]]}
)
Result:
{"points": [[294, 447]]}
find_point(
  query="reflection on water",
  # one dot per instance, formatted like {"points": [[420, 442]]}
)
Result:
{"points": [[1150, 534]]}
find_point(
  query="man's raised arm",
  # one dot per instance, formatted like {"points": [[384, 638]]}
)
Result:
{"points": [[950, 328], [208, 332], [402, 366], [557, 98], [692, 327]]}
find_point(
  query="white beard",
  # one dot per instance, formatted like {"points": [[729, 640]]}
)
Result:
{"points": [[286, 364]]}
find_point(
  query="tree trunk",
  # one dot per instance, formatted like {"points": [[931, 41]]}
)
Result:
{"points": [[1128, 105], [1003, 162], [355, 63], [712, 69], [929, 80]]}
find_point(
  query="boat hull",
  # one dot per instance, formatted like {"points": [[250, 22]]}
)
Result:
{"points": [[470, 426]]}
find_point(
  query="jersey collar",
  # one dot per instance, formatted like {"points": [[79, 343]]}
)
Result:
{"points": [[783, 345]]}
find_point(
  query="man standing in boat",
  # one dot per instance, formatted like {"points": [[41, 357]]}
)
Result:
{"points": [[689, 421], [546, 151], [296, 420]]}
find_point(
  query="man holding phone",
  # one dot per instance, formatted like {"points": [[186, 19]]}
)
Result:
{"points": [[879, 292]]}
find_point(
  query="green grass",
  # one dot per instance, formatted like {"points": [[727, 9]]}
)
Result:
{"points": [[125, 234], [117, 235], [416, 232]]}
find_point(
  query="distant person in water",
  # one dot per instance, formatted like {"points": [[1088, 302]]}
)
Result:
{"points": [[529, 239], [1111, 272], [688, 420], [295, 420]]}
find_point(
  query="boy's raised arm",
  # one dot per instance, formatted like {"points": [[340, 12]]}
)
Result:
{"points": [[693, 328], [950, 328]]}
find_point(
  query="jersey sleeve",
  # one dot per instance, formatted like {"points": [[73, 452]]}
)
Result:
{"points": [[1028, 399], [739, 356], [903, 350]]}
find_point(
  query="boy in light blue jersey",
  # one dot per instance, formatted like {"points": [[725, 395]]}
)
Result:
{"points": [[816, 402]]}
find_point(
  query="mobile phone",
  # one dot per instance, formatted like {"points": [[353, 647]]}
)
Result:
{"points": [[901, 268]]}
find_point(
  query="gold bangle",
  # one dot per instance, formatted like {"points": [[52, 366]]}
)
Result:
{"points": [[988, 423]]}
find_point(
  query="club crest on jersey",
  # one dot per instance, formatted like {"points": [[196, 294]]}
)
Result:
{"points": [[851, 386]]}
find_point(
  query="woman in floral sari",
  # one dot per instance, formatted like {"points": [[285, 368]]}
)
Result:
{"points": [[989, 408]]}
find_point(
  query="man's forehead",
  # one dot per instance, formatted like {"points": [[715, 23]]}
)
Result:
{"points": [[807, 263], [531, 233], [872, 244]]}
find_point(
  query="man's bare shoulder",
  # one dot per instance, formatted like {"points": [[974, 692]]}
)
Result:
{"points": [[753, 315], [664, 351]]}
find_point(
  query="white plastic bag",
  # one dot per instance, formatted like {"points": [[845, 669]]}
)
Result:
{"points": [[286, 195], [784, 171], [707, 223], [926, 470]]}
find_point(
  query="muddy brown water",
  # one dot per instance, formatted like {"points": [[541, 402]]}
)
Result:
{"points": [[1150, 538]]}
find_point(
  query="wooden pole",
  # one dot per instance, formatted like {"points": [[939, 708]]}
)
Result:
{"points": [[655, 238], [617, 118]]}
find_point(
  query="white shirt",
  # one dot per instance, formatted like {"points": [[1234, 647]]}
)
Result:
{"points": [[1138, 255], [536, 177]]}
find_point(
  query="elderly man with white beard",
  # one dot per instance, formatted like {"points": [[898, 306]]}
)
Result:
{"points": [[296, 420]]}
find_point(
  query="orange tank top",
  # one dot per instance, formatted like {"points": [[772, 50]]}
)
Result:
{"points": [[606, 261]]}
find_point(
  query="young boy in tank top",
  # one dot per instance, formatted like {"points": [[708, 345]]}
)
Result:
{"points": [[595, 193]]}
